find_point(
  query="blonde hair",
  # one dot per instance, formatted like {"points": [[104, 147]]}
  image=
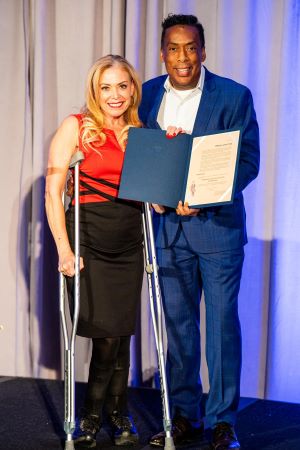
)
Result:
{"points": [[93, 120]]}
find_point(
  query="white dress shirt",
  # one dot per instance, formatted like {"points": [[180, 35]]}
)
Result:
{"points": [[179, 107]]}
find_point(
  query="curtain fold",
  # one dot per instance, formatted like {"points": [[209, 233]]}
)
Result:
{"points": [[15, 126]]}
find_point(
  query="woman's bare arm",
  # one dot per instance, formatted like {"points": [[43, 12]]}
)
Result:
{"points": [[62, 148]]}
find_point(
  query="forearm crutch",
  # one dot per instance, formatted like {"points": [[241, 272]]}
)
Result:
{"points": [[69, 335], [157, 319]]}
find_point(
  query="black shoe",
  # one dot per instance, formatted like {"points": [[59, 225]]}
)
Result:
{"points": [[123, 429], [224, 437], [85, 432], [182, 432]]}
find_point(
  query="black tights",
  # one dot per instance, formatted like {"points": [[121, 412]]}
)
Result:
{"points": [[108, 376]]}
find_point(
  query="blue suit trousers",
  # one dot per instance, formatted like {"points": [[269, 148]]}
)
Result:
{"points": [[184, 273]]}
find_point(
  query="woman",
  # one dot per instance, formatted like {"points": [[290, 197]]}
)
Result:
{"points": [[110, 239]]}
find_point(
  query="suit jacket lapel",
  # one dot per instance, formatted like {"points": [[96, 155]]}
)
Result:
{"points": [[152, 117], [207, 104]]}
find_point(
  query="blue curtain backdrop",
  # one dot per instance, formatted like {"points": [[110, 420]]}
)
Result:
{"points": [[269, 300], [283, 369], [46, 49]]}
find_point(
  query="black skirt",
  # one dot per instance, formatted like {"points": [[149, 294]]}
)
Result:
{"points": [[111, 281]]}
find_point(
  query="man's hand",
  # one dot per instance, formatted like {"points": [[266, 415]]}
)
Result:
{"points": [[184, 210], [160, 209]]}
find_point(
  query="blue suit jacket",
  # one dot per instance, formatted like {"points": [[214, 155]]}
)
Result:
{"points": [[224, 104]]}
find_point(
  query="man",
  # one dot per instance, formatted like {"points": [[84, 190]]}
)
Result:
{"points": [[201, 249]]}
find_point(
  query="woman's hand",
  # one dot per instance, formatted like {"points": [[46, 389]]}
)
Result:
{"points": [[173, 131], [66, 264], [184, 210], [160, 209]]}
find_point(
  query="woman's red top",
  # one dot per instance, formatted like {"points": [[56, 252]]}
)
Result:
{"points": [[101, 168]]}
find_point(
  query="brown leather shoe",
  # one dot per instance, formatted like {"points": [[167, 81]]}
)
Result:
{"points": [[182, 432], [224, 437]]}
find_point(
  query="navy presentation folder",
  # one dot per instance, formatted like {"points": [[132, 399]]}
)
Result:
{"points": [[156, 168]]}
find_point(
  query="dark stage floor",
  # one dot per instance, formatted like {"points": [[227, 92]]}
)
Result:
{"points": [[31, 418]]}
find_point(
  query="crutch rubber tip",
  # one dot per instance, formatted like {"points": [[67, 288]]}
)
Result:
{"points": [[69, 445], [169, 443]]}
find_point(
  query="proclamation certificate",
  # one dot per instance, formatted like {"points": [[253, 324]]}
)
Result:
{"points": [[212, 169]]}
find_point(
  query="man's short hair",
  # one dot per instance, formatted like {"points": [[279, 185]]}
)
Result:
{"points": [[182, 19]]}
